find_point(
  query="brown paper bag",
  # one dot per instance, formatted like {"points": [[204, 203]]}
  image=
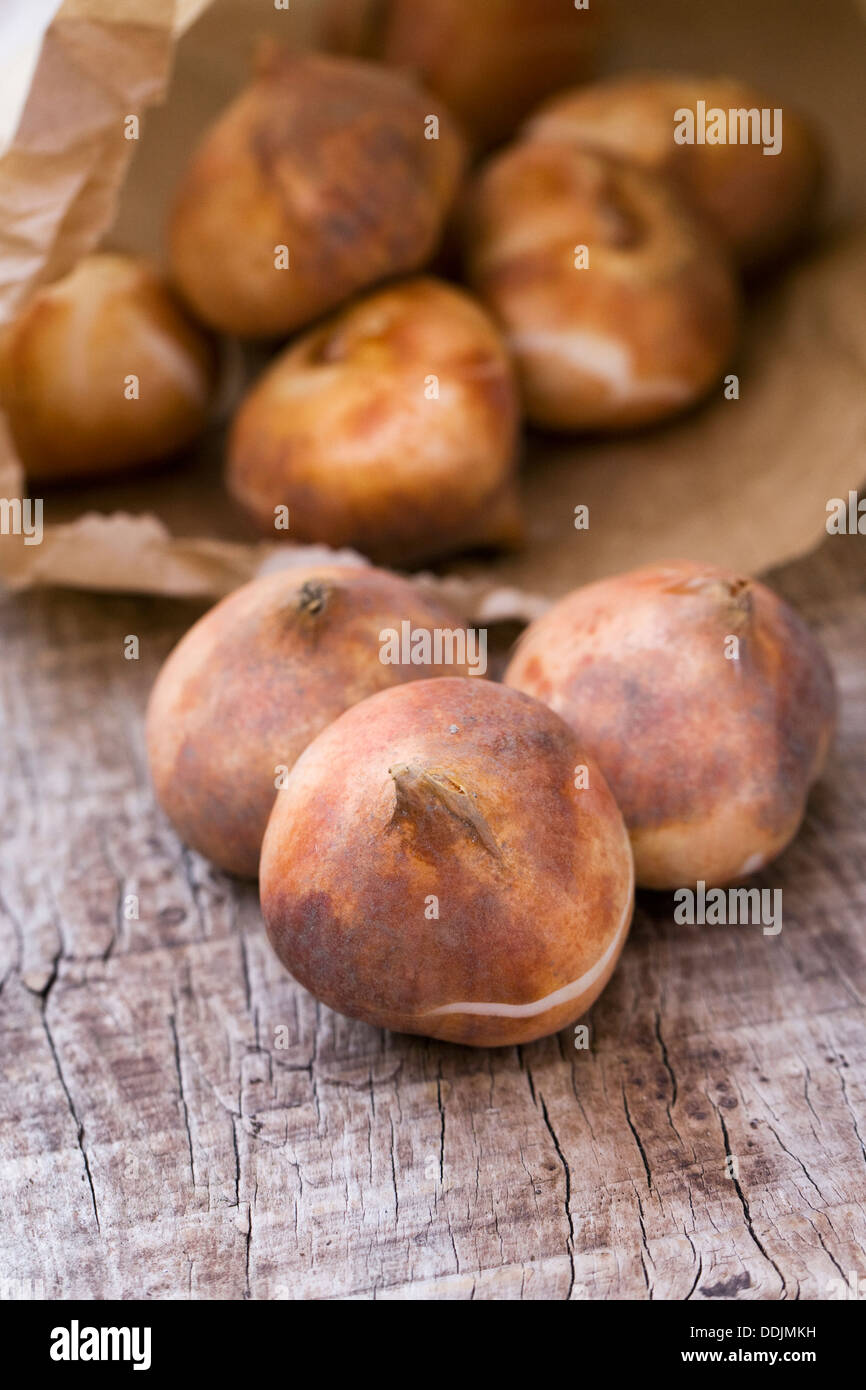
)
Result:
{"points": [[743, 482]]}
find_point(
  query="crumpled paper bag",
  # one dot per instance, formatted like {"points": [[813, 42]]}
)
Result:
{"points": [[743, 483]]}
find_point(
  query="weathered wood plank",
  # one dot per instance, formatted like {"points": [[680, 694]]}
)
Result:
{"points": [[179, 1119]]}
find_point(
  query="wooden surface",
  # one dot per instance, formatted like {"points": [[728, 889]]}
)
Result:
{"points": [[179, 1119]]}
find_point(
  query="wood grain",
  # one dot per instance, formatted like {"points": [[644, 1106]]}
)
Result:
{"points": [[178, 1119]]}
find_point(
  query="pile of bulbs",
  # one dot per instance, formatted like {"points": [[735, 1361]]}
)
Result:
{"points": [[438, 853]]}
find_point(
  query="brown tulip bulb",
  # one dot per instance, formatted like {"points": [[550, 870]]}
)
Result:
{"points": [[103, 371], [323, 177], [445, 860], [758, 202], [261, 674], [491, 61], [392, 428], [707, 702], [615, 299]]}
